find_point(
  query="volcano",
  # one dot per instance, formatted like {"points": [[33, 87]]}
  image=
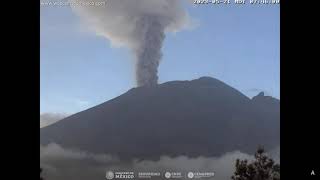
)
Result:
{"points": [[201, 117]]}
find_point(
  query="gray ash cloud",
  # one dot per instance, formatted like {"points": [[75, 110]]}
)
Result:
{"points": [[139, 25]]}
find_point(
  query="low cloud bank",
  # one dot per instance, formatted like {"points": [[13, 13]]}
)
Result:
{"points": [[65, 164], [49, 118]]}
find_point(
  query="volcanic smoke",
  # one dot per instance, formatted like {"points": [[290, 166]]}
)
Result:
{"points": [[139, 25]]}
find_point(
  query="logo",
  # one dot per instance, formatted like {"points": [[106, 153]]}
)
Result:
{"points": [[119, 175], [148, 175], [190, 175], [109, 175], [197, 175], [173, 175], [167, 175]]}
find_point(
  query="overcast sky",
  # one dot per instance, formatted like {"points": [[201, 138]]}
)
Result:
{"points": [[238, 44]]}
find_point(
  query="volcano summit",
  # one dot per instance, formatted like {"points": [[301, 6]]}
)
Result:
{"points": [[202, 117]]}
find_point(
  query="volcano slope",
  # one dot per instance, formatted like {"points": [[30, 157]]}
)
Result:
{"points": [[202, 117]]}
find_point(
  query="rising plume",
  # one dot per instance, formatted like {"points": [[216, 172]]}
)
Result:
{"points": [[139, 25]]}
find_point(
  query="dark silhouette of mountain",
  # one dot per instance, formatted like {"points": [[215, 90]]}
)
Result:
{"points": [[202, 117]]}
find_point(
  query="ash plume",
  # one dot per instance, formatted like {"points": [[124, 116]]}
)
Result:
{"points": [[139, 25]]}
